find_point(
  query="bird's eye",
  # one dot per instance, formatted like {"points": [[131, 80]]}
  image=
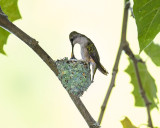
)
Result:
{"points": [[71, 39]]}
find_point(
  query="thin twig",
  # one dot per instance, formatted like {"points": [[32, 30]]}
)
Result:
{"points": [[115, 68], [32, 43], [129, 52], [143, 94]]}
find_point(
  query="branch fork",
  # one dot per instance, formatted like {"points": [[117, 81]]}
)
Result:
{"points": [[124, 45]]}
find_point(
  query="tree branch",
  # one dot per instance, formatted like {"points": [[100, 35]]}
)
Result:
{"points": [[90, 121], [129, 52], [125, 46], [115, 68], [32, 43]]}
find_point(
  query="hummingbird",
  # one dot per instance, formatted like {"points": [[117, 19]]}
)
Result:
{"points": [[89, 52]]}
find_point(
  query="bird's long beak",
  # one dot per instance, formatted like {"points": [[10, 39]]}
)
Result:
{"points": [[72, 54]]}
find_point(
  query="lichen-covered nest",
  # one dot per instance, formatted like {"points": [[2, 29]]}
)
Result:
{"points": [[74, 75]]}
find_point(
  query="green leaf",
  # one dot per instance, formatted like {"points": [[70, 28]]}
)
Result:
{"points": [[127, 123], [10, 8], [147, 15], [153, 51], [148, 84]]}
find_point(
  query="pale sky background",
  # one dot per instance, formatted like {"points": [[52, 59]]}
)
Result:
{"points": [[31, 96]]}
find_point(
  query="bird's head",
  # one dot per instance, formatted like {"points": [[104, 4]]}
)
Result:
{"points": [[72, 36]]}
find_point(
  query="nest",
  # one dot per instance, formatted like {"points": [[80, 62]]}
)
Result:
{"points": [[74, 75]]}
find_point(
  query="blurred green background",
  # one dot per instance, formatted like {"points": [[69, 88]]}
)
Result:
{"points": [[31, 96]]}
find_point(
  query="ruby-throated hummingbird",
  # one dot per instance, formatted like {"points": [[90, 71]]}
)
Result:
{"points": [[89, 52]]}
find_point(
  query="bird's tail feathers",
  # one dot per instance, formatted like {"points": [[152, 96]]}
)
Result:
{"points": [[102, 69]]}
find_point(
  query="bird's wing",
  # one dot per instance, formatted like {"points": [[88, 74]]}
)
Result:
{"points": [[95, 56], [93, 52]]}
